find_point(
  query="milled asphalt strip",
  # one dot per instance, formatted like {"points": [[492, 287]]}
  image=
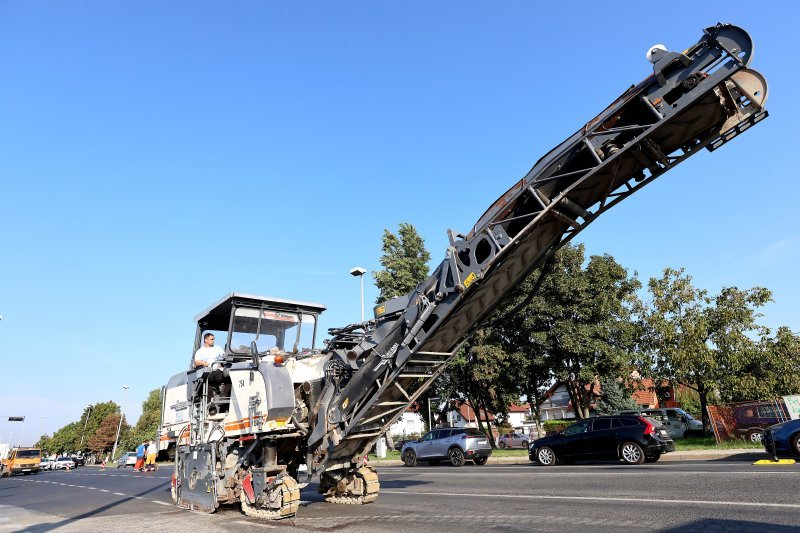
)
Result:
{"points": [[594, 498]]}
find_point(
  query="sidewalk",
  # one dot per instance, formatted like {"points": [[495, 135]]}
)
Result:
{"points": [[744, 454]]}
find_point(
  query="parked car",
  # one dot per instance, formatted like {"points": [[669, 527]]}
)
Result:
{"points": [[679, 423], [45, 464], [398, 444], [78, 460], [751, 419], [127, 459], [634, 439], [456, 445], [513, 440], [62, 463], [786, 437]]}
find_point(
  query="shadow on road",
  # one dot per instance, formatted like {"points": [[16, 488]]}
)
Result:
{"points": [[712, 525], [55, 525]]}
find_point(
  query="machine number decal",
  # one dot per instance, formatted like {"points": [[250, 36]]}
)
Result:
{"points": [[241, 383], [470, 279]]}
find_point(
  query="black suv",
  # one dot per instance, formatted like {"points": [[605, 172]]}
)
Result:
{"points": [[79, 461], [634, 439]]}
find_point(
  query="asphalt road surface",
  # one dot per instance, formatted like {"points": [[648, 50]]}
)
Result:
{"points": [[668, 496]]}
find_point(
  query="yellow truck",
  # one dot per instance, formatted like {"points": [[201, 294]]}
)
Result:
{"points": [[21, 461]]}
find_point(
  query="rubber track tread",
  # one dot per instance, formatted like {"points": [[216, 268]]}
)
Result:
{"points": [[372, 487], [290, 493]]}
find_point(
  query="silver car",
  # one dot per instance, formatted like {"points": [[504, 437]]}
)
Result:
{"points": [[456, 445], [513, 440]]}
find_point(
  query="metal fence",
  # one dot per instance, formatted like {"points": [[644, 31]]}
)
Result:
{"points": [[746, 420]]}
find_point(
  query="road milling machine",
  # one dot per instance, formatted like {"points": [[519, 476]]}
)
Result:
{"points": [[254, 428]]}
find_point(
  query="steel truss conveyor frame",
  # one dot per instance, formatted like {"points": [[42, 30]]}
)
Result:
{"points": [[697, 99]]}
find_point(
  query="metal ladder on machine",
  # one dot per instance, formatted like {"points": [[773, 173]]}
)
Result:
{"points": [[649, 130]]}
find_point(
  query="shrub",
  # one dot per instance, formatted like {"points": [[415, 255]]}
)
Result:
{"points": [[554, 426]]}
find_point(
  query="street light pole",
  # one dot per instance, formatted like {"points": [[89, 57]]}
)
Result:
{"points": [[121, 415], [359, 272]]}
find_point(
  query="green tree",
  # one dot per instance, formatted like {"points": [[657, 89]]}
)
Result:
{"points": [[528, 366], [66, 439], [96, 414], [479, 375], [700, 341], [614, 397], [580, 320], [146, 427], [404, 261]]}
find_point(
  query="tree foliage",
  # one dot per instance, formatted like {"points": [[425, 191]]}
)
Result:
{"points": [[580, 322], [146, 427], [404, 262], [102, 442], [614, 397], [702, 342]]}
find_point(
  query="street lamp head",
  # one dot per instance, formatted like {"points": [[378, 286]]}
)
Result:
{"points": [[126, 387], [358, 271]]}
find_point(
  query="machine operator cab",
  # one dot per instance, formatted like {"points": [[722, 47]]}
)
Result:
{"points": [[252, 328]]}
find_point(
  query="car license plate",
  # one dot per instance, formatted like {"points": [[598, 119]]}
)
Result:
{"points": [[483, 441], [26, 469], [663, 433]]}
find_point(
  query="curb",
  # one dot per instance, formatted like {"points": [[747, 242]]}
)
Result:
{"points": [[699, 455]]}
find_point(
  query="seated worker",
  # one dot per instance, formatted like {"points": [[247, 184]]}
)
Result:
{"points": [[212, 356], [208, 354]]}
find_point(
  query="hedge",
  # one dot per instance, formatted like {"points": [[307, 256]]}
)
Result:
{"points": [[554, 426]]}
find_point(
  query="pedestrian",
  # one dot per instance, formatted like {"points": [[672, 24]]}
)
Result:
{"points": [[152, 451], [141, 450]]}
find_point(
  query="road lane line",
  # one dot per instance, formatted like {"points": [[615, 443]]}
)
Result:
{"points": [[596, 499], [584, 474], [161, 503], [118, 494]]}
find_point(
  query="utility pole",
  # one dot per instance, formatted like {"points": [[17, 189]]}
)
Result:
{"points": [[87, 423]]}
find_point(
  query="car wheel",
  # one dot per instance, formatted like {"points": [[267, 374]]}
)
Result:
{"points": [[546, 456], [480, 461], [433, 462], [456, 456], [755, 435], [632, 453], [410, 458], [795, 442], [652, 458], [525, 444], [502, 445]]}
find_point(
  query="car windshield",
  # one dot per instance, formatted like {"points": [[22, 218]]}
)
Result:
{"points": [[27, 454], [271, 330], [64, 459], [473, 432]]}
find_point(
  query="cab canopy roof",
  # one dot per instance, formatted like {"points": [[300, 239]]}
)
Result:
{"points": [[218, 315]]}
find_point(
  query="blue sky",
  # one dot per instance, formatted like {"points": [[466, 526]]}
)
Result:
{"points": [[157, 155]]}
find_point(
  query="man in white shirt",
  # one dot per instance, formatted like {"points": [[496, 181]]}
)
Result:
{"points": [[208, 354]]}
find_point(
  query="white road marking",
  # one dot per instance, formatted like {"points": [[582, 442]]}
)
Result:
{"points": [[620, 473], [119, 494], [160, 502], [595, 498]]}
